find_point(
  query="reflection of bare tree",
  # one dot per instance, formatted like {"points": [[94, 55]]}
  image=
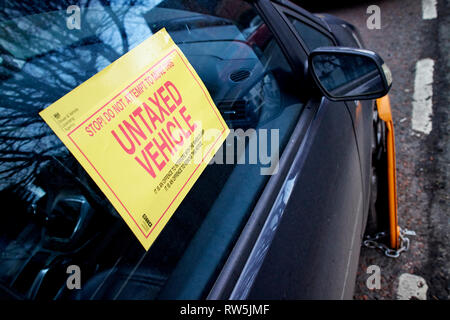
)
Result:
{"points": [[325, 65], [40, 61], [337, 70]]}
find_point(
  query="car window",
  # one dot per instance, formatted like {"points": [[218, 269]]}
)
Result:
{"points": [[53, 214], [312, 37]]}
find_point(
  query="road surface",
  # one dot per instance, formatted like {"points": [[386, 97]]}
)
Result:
{"points": [[413, 39]]}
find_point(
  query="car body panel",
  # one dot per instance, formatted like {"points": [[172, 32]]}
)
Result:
{"points": [[314, 262]]}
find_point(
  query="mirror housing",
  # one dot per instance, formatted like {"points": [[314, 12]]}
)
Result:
{"points": [[349, 74]]}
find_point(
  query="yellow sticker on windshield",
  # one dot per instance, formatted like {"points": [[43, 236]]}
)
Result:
{"points": [[144, 128]]}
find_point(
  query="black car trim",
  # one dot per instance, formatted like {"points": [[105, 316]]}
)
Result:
{"points": [[299, 10], [308, 20], [292, 50]]}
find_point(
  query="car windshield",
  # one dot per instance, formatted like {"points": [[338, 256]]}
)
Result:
{"points": [[53, 214]]}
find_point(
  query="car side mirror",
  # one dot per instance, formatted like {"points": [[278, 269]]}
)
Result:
{"points": [[349, 74]]}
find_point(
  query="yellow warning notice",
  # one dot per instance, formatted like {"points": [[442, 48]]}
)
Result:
{"points": [[144, 128]]}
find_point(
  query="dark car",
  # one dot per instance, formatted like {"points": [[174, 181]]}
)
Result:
{"points": [[287, 229]]}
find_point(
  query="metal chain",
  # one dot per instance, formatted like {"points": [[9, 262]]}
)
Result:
{"points": [[372, 242]]}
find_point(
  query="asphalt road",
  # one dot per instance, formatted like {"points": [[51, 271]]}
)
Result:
{"points": [[404, 39]]}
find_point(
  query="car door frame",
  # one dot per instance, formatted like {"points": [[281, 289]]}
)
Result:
{"points": [[305, 17], [359, 110], [296, 53]]}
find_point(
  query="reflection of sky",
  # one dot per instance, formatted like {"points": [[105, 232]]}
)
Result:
{"points": [[35, 34], [67, 57], [59, 59], [55, 67]]}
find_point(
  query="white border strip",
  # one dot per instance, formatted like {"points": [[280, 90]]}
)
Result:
{"points": [[423, 96], [429, 10]]}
